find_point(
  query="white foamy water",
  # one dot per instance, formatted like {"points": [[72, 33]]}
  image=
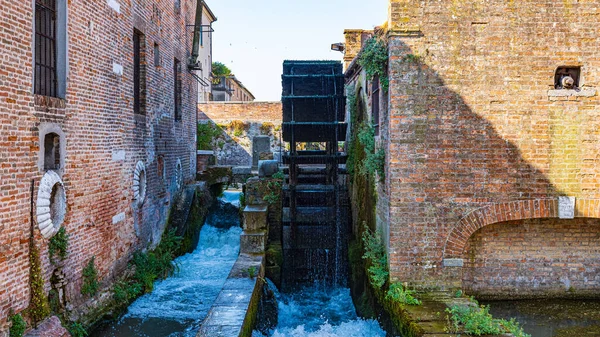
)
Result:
{"points": [[178, 304], [190, 293], [317, 312], [232, 197]]}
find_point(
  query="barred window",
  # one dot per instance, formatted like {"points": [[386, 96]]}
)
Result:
{"points": [[375, 105], [177, 88], [139, 73], [45, 79]]}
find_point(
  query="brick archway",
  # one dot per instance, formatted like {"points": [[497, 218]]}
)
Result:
{"points": [[507, 211]]}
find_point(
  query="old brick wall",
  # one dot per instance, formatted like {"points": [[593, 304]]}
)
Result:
{"points": [[104, 139], [475, 121], [233, 146], [534, 257]]}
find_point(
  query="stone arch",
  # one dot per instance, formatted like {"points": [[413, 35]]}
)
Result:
{"points": [[51, 205], [139, 183], [456, 240]]}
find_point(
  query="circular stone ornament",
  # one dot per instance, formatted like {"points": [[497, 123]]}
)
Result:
{"points": [[139, 183], [178, 175], [51, 205]]}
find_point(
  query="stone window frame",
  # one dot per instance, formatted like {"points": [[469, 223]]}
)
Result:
{"points": [[61, 49], [51, 204], [45, 129], [580, 91], [140, 184]]}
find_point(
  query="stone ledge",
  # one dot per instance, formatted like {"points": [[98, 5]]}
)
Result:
{"points": [[583, 92], [234, 311]]}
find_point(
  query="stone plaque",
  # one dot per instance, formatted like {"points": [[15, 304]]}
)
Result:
{"points": [[566, 207], [453, 262]]}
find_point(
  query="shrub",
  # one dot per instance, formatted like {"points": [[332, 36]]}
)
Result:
{"points": [[400, 294], [18, 326], [207, 132], [158, 263], [59, 244], [90, 278], [266, 127], [375, 253], [77, 330]]}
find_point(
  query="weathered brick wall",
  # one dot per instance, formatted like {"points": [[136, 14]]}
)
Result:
{"points": [[104, 139], [532, 258], [234, 144], [245, 111], [474, 121]]}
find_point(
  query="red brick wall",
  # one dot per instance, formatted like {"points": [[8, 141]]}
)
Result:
{"points": [[529, 258], [244, 111], [97, 119], [474, 120]]}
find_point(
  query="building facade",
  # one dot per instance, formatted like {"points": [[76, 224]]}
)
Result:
{"points": [[205, 55], [230, 89], [492, 150], [98, 114]]}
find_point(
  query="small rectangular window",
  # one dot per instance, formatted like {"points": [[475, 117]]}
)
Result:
{"points": [[45, 81], [156, 55], [139, 73], [177, 88], [375, 105]]}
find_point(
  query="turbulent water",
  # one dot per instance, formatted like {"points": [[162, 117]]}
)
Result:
{"points": [[318, 312], [178, 304]]}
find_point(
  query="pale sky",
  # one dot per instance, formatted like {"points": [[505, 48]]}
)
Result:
{"points": [[254, 37]]}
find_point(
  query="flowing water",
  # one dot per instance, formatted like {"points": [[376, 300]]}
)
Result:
{"points": [[318, 312], [178, 304], [552, 318]]}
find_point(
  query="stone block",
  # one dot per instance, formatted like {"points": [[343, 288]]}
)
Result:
{"points": [[265, 156], [453, 262], [267, 168], [260, 144], [253, 242], [255, 217]]}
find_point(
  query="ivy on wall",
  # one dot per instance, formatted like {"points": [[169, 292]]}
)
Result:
{"points": [[38, 306], [374, 60]]}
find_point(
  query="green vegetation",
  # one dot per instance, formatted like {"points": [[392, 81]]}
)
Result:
{"points": [[375, 253], [400, 294], [273, 191], [38, 306], [374, 159], [251, 272], [237, 127], [411, 58], [59, 244], [266, 127], [378, 271], [18, 326], [374, 60], [77, 330], [90, 278], [478, 321], [220, 69], [207, 132], [158, 263]]}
